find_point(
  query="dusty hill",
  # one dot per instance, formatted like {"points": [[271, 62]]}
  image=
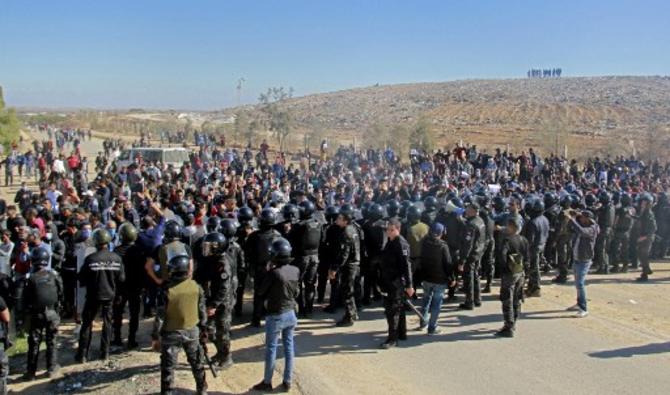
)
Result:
{"points": [[493, 112]]}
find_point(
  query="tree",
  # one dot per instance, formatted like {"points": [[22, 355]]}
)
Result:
{"points": [[241, 126], [421, 136], [376, 137], [278, 118], [207, 127], [654, 143], [9, 123]]}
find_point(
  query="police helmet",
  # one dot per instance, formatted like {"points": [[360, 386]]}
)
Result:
{"points": [[332, 212], [413, 214], [392, 207], [228, 227], [127, 233], [290, 212], [213, 244], [101, 237], [213, 223], [430, 203], [376, 212], [280, 249], [245, 215], [268, 217], [172, 231], [178, 266], [306, 209], [39, 257]]}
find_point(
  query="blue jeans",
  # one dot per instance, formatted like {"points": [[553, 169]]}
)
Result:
{"points": [[581, 269], [283, 323], [432, 302]]}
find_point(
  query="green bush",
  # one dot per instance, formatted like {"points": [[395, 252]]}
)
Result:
{"points": [[9, 124]]}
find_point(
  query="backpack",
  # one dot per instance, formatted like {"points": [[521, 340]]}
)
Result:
{"points": [[515, 262]]}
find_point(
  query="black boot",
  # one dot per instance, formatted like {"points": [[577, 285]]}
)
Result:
{"points": [[505, 332]]}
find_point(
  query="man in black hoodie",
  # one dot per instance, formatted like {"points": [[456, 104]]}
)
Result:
{"points": [[437, 270]]}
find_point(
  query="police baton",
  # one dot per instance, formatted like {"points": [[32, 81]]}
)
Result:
{"points": [[203, 344], [416, 311]]}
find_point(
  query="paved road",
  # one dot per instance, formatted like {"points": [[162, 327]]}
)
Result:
{"points": [[552, 353]]}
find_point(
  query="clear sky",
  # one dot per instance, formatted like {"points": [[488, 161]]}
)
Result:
{"points": [[190, 54]]}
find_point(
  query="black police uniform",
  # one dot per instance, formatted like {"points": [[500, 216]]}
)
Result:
{"points": [[218, 277], [553, 214], [455, 226], [488, 258], [331, 234], [395, 277], [180, 316], [101, 274], [536, 231], [563, 245], [257, 251], [305, 239], [43, 292], [513, 251], [347, 265], [621, 239], [129, 292], [375, 240], [647, 230], [471, 252], [242, 267], [606, 215]]}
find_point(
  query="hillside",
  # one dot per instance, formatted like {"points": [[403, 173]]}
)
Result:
{"points": [[491, 112]]}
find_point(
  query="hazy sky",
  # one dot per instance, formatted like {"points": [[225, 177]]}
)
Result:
{"points": [[190, 54]]}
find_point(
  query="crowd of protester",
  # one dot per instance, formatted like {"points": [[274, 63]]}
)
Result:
{"points": [[386, 225]]}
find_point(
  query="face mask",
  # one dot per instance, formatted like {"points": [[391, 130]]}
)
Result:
{"points": [[112, 232], [86, 233], [49, 236]]}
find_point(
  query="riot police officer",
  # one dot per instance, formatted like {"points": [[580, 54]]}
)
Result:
{"points": [[393, 209], [536, 231], [453, 221], [305, 240], [346, 266], [43, 292], [606, 215], [180, 322], [430, 210], [375, 239], [552, 212], [172, 246], [218, 277], [349, 210], [488, 259], [646, 225], [623, 224], [245, 218], [471, 252], [130, 291], [514, 256], [257, 251], [101, 274], [229, 228], [396, 282], [327, 251], [563, 240]]}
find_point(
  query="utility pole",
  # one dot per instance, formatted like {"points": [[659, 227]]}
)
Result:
{"points": [[239, 90]]}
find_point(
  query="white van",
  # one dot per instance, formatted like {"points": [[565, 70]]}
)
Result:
{"points": [[171, 156]]}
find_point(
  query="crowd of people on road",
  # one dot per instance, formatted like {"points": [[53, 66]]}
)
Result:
{"points": [[341, 232]]}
